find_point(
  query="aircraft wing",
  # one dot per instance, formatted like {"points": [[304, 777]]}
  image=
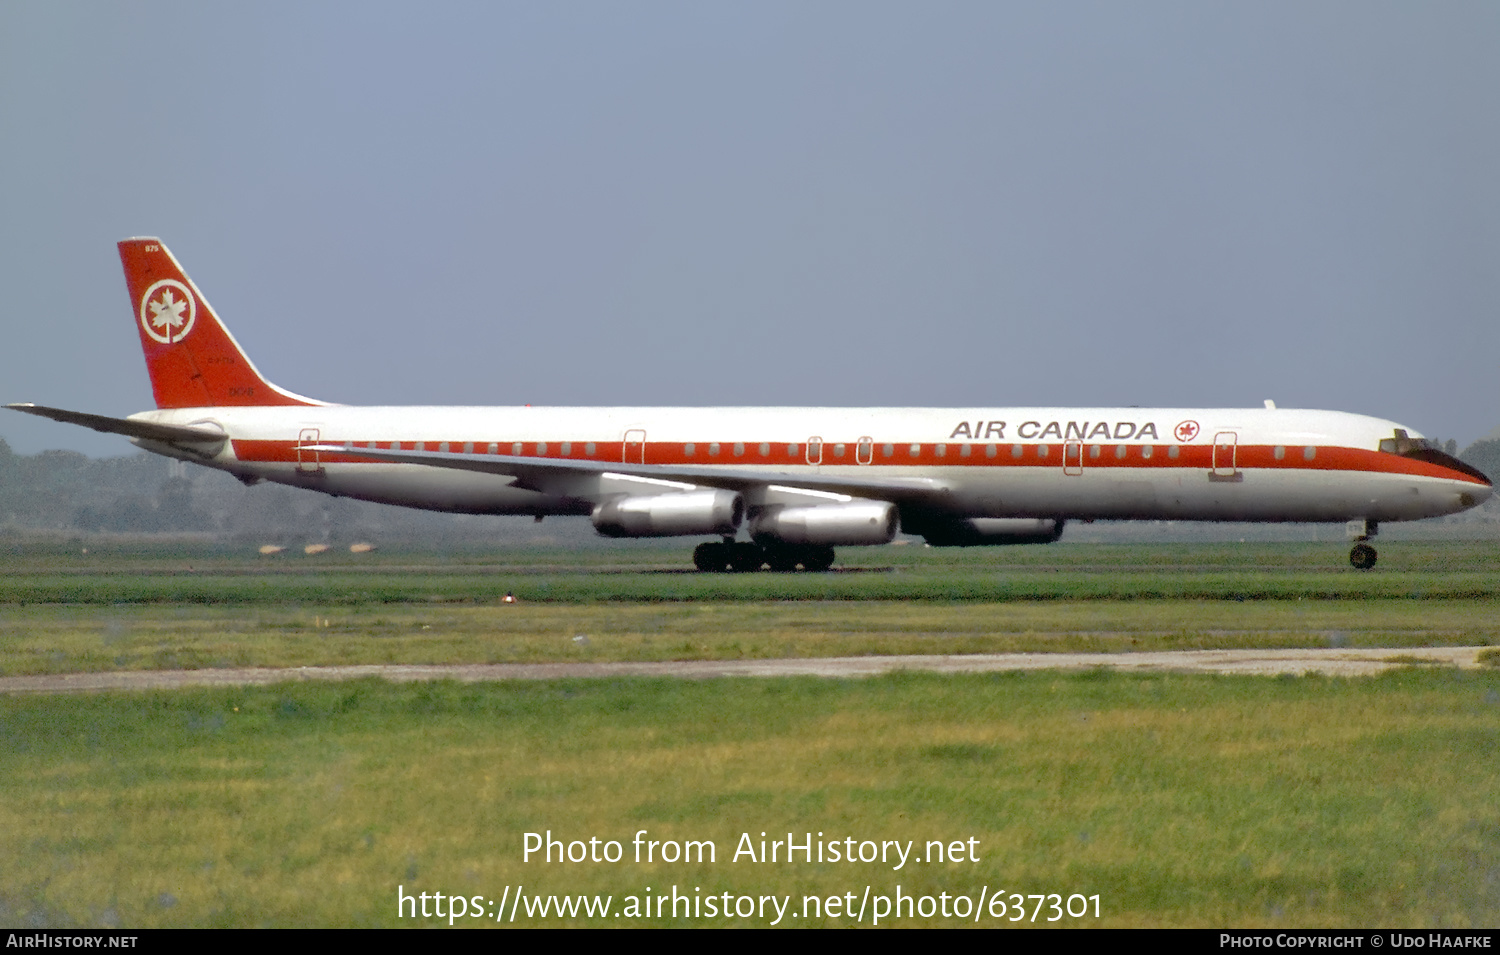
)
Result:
{"points": [[547, 474], [166, 433]]}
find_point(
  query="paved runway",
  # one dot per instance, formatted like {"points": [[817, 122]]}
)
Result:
{"points": [[1332, 662]]}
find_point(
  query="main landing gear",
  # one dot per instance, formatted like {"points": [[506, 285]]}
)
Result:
{"points": [[1362, 555], [744, 557]]}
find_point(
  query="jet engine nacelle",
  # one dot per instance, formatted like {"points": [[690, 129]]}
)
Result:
{"points": [[990, 531], [671, 515], [856, 522]]}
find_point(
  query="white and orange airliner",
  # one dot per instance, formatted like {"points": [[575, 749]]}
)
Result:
{"points": [[798, 481]]}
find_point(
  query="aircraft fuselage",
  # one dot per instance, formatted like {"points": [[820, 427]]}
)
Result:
{"points": [[1097, 463]]}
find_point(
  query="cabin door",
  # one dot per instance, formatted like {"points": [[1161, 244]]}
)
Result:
{"points": [[635, 447], [307, 459], [1224, 452], [1072, 457]]}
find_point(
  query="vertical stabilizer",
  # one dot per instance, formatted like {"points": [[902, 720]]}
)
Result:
{"points": [[193, 360]]}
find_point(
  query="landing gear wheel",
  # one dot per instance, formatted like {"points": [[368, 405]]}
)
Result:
{"points": [[1362, 556], [782, 559], [745, 558], [712, 557], [817, 558]]}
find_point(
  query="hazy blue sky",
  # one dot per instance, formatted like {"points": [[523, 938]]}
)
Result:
{"points": [[944, 204]]}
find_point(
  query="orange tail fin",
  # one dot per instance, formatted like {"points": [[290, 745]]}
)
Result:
{"points": [[193, 360]]}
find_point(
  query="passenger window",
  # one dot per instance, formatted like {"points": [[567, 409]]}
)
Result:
{"points": [[1119, 450], [567, 448], [990, 450], [1309, 452], [1173, 451], [791, 450], [916, 450], [688, 449], [1280, 452], [589, 449], [838, 450], [516, 450], [1146, 451], [739, 449], [494, 448], [886, 450], [541, 449], [1094, 450], [1016, 450], [964, 450], [713, 450], [765, 449], [942, 450]]}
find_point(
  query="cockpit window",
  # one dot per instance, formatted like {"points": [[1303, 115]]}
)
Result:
{"points": [[1403, 444], [1421, 449]]}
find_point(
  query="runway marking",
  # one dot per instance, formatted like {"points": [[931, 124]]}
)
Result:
{"points": [[1342, 661]]}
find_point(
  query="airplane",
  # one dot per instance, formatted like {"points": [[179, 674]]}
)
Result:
{"points": [[797, 481]]}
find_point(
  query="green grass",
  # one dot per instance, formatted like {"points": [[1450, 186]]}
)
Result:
{"points": [[1408, 570], [158, 608], [70, 638], [1179, 800]]}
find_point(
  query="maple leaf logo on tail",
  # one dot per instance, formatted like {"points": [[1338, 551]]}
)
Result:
{"points": [[167, 311]]}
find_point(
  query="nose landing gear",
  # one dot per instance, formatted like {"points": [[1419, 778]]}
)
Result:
{"points": [[1362, 555]]}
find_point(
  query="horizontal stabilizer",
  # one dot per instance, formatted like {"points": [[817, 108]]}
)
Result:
{"points": [[166, 433]]}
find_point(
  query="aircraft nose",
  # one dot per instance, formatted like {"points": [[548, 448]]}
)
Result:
{"points": [[1474, 494], [1473, 486], [1476, 488]]}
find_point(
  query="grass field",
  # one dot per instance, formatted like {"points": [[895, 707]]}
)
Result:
{"points": [[658, 574], [71, 639], [63, 611], [1177, 800]]}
